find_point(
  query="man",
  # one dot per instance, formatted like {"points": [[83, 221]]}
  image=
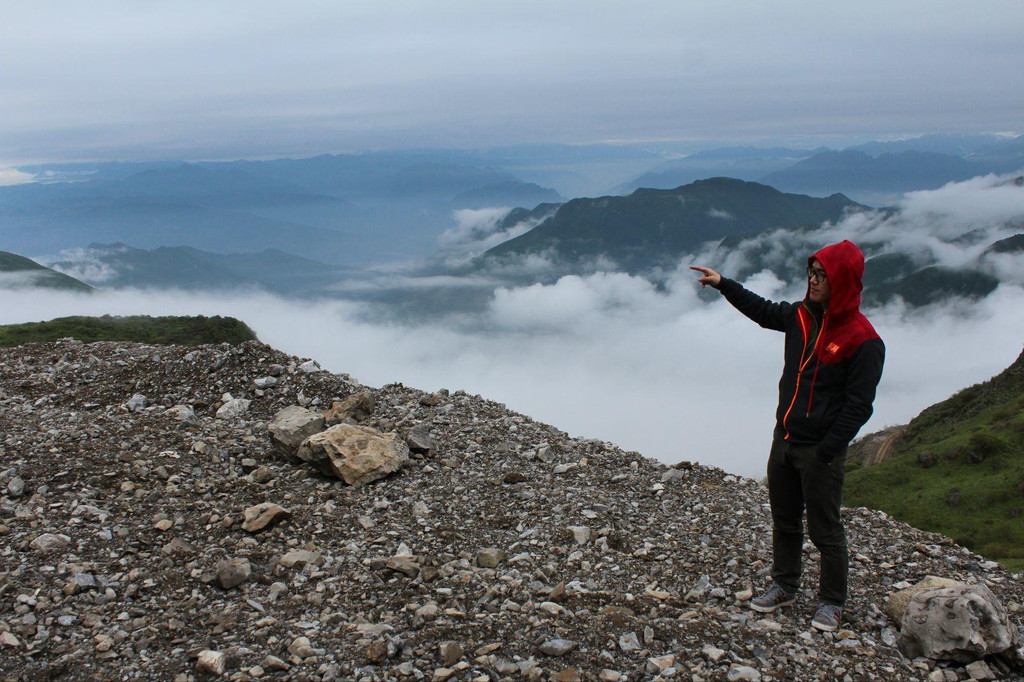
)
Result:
{"points": [[833, 362]]}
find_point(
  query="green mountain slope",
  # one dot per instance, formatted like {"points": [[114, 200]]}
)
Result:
{"points": [[958, 469], [18, 272], [651, 227], [186, 331]]}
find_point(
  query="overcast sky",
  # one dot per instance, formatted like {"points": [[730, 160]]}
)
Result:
{"points": [[216, 79]]}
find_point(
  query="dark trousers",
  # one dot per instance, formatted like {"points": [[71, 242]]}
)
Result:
{"points": [[797, 480]]}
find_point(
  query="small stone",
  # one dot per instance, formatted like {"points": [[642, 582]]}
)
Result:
{"points": [[136, 403], [979, 670], [376, 652], [489, 557], [581, 534], [16, 487], [450, 653], [50, 542], [182, 413], [713, 654], [276, 590], [567, 675], [659, 664], [211, 662], [8, 638], [300, 558], [232, 573], [233, 408], [743, 673], [419, 439], [164, 525], [301, 647], [263, 516], [103, 642], [558, 647], [357, 407], [263, 474], [608, 675], [403, 564], [274, 664], [629, 642]]}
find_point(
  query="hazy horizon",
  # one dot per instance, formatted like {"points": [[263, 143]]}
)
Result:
{"points": [[199, 80]]}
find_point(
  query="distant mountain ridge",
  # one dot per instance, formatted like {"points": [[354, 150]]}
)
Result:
{"points": [[182, 267], [857, 171], [651, 228]]}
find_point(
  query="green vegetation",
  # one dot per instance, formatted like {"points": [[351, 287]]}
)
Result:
{"points": [[974, 491], [186, 331]]}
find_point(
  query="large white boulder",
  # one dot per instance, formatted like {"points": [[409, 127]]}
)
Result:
{"points": [[962, 623]]}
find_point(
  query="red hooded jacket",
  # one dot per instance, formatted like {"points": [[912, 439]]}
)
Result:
{"points": [[833, 356]]}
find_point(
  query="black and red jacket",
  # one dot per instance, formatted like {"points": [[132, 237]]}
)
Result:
{"points": [[833, 356]]}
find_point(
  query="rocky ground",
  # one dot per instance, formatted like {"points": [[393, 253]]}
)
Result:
{"points": [[510, 551]]}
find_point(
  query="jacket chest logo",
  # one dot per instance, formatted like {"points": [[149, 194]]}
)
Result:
{"points": [[832, 348]]}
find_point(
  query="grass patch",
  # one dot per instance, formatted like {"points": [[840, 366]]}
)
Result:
{"points": [[974, 492], [186, 331]]}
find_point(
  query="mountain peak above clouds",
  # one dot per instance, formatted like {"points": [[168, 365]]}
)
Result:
{"points": [[652, 227], [19, 272]]}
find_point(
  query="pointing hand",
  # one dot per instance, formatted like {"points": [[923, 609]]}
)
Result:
{"points": [[707, 276]]}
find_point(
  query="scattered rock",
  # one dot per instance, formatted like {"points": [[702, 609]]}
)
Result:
{"points": [[557, 647], [50, 542], [743, 673], [297, 558], [233, 408], [357, 407], [450, 653], [489, 557], [211, 663], [419, 439], [232, 573], [263, 517], [181, 412], [291, 426]]}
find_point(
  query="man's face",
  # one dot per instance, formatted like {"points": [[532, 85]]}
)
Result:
{"points": [[820, 292]]}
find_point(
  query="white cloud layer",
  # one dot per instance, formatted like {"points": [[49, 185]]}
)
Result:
{"points": [[668, 376]]}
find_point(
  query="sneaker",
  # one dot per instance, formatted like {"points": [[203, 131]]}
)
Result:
{"points": [[773, 599], [827, 617]]}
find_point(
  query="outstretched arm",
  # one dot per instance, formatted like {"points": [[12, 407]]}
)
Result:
{"points": [[766, 313]]}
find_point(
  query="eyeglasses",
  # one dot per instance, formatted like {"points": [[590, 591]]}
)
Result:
{"points": [[816, 275]]}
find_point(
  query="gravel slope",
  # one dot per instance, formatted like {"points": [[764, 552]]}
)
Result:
{"points": [[511, 551]]}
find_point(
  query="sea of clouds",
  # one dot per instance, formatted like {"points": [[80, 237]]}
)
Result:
{"points": [[669, 371]]}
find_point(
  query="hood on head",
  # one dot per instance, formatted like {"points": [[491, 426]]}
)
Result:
{"points": [[844, 266]]}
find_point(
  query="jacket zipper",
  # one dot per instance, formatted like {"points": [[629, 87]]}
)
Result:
{"points": [[800, 370]]}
